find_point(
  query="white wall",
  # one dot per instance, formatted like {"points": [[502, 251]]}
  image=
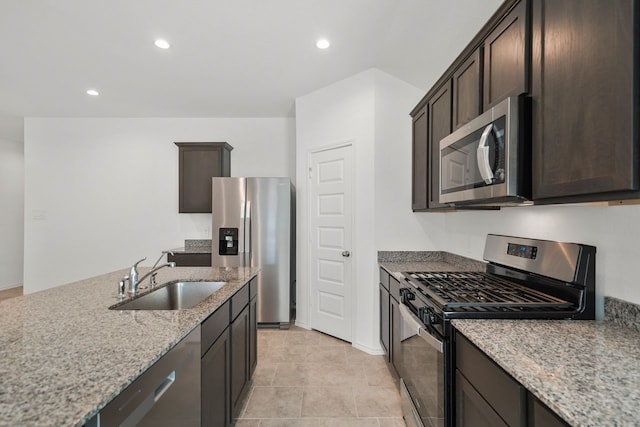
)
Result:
{"points": [[397, 227], [371, 109], [102, 193], [343, 111], [11, 213], [614, 230]]}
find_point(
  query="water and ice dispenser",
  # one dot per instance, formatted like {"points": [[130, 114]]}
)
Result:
{"points": [[228, 241]]}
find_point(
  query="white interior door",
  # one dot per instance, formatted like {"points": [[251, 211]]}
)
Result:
{"points": [[330, 221]]}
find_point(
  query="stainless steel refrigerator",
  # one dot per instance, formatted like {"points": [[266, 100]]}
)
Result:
{"points": [[253, 226]]}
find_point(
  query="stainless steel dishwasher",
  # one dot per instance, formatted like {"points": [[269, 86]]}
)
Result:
{"points": [[167, 394]]}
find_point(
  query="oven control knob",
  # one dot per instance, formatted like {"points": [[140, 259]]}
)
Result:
{"points": [[408, 295], [430, 316]]}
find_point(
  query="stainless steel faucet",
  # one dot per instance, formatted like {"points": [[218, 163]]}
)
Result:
{"points": [[133, 277], [153, 273], [133, 273]]}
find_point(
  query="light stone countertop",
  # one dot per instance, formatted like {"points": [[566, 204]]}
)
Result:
{"points": [[64, 355], [397, 262], [588, 372]]}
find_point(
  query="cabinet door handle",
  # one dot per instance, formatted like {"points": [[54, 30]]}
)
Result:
{"points": [[482, 155], [346, 254]]}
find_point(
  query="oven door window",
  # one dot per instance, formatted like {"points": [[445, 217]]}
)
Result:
{"points": [[476, 160], [421, 366]]}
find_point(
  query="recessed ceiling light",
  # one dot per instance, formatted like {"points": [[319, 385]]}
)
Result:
{"points": [[93, 92], [162, 44], [323, 44]]}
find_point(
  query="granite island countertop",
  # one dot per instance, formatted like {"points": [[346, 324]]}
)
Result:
{"points": [[64, 355], [588, 372]]}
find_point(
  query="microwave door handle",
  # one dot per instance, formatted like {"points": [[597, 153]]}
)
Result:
{"points": [[416, 325], [482, 156]]}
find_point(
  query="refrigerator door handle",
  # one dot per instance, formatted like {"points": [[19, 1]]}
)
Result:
{"points": [[241, 234], [247, 234]]}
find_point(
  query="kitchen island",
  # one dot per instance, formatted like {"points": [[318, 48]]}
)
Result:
{"points": [[64, 355]]}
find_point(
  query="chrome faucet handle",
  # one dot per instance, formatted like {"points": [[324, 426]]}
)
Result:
{"points": [[161, 255], [133, 277], [122, 286]]}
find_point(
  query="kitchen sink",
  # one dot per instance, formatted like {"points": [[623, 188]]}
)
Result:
{"points": [[173, 296]]}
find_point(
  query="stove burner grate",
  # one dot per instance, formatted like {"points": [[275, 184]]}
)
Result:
{"points": [[482, 290]]}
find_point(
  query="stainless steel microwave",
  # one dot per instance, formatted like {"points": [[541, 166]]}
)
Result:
{"points": [[488, 161]]}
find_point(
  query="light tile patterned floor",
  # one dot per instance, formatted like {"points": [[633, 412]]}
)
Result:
{"points": [[309, 379]]}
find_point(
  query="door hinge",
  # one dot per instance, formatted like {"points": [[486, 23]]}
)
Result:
{"points": [[310, 173]]}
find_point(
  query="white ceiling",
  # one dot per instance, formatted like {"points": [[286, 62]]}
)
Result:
{"points": [[238, 58]]}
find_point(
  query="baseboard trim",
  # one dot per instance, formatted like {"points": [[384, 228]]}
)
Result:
{"points": [[370, 350], [303, 325], [7, 287]]}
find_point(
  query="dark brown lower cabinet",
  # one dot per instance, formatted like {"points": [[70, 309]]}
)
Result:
{"points": [[229, 357], [396, 335], [541, 416], [384, 321], [390, 317], [190, 259], [253, 335], [471, 408], [215, 383], [485, 395], [240, 333]]}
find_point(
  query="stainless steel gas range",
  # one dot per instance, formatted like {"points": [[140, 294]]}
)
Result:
{"points": [[524, 279]]}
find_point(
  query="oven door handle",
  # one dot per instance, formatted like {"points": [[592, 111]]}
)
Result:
{"points": [[416, 325]]}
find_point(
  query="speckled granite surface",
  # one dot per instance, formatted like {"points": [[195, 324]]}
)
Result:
{"points": [[201, 246], [396, 262], [410, 256], [64, 355], [623, 313], [197, 244], [588, 372]]}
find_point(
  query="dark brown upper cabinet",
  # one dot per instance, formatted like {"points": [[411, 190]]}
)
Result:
{"points": [[420, 159], [506, 57], [467, 91], [198, 163], [455, 99], [585, 100], [439, 126]]}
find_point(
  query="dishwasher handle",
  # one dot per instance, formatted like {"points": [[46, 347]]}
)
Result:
{"points": [[168, 388], [164, 386], [415, 324]]}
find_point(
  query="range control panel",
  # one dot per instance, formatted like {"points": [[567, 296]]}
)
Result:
{"points": [[522, 251]]}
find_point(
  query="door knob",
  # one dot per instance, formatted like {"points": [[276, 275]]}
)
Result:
{"points": [[346, 254]]}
